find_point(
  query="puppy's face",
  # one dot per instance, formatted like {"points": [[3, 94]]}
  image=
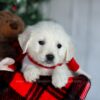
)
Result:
{"points": [[47, 43], [48, 48]]}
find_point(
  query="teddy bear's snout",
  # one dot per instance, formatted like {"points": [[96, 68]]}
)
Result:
{"points": [[50, 58], [14, 25]]}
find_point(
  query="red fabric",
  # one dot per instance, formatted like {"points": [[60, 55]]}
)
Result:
{"points": [[47, 96], [22, 87], [18, 89], [19, 85], [73, 65], [70, 81], [12, 67], [83, 95]]}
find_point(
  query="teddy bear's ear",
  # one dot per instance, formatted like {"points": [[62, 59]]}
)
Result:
{"points": [[24, 38], [69, 51]]}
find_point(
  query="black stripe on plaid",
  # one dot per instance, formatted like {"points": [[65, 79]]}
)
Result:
{"points": [[42, 83], [45, 82], [55, 92], [35, 93], [5, 78], [10, 94], [32, 91], [76, 89], [72, 93], [32, 88], [44, 87]]}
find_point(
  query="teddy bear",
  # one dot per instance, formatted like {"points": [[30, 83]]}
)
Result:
{"points": [[11, 26]]}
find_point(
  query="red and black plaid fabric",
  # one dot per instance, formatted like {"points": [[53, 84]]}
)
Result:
{"points": [[14, 87]]}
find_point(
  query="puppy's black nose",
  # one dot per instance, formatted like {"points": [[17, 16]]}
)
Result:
{"points": [[50, 57]]}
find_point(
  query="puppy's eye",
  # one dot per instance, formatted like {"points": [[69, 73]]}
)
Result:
{"points": [[59, 45], [41, 42]]}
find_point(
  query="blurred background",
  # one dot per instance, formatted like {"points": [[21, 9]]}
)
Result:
{"points": [[81, 20]]}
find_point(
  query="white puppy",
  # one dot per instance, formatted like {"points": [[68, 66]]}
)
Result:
{"points": [[48, 49]]}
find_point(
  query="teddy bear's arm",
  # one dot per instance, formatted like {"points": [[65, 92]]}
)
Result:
{"points": [[4, 64]]}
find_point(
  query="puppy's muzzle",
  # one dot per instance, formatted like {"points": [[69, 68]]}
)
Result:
{"points": [[50, 58]]}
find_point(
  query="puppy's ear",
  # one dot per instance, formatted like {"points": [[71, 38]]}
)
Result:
{"points": [[24, 38], [69, 51]]}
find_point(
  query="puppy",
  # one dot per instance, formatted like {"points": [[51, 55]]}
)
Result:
{"points": [[49, 52]]}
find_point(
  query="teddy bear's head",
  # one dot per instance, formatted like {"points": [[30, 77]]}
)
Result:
{"points": [[10, 24]]}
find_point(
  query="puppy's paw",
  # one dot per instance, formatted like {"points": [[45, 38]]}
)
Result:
{"points": [[31, 75], [59, 81]]}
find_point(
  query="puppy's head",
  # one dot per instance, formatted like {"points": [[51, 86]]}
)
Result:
{"points": [[47, 43]]}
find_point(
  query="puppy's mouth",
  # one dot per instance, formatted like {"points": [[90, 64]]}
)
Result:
{"points": [[49, 62]]}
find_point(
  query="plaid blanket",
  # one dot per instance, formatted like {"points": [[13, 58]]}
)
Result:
{"points": [[14, 87]]}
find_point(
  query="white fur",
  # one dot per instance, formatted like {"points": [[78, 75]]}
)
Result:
{"points": [[52, 33], [5, 63]]}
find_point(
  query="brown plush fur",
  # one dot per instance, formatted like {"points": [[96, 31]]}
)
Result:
{"points": [[11, 26]]}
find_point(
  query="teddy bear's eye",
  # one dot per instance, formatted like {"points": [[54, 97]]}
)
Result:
{"points": [[41, 42], [59, 45]]}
